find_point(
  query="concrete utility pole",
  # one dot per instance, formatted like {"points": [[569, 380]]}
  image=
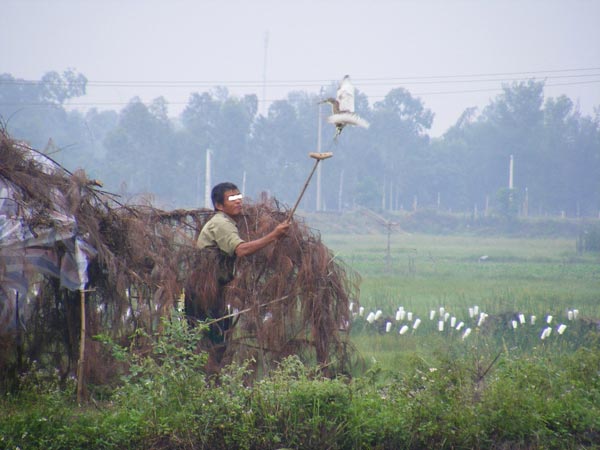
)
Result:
{"points": [[319, 205], [264, 87], [510, 181], [207, 181], [199, 195], [341, 190], [510, 172]]}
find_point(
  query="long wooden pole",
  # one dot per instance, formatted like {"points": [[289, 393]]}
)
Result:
{"points": [[318, 157], [304, 188]]}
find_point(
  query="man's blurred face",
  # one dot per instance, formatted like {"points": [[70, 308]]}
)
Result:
{"points": [[232, 203]]}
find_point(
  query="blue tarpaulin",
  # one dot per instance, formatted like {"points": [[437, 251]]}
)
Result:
{"points": [[28, 251]]}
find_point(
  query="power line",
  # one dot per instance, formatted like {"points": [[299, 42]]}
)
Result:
{"points": [[382, 82], [464, 91], [425, 93], [471, 78], [490, 74]]}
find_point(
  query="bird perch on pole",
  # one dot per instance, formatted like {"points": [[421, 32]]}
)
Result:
{"points": [[318, 157], [343, 114], [342, 108]]}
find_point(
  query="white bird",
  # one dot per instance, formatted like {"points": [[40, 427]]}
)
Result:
{"points": [[343, 108]]}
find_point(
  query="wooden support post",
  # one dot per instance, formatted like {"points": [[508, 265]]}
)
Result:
{"points": [[388, 252], [81, 363]]}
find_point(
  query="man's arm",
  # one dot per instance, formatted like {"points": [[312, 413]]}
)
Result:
{"points": [[248, 248]]}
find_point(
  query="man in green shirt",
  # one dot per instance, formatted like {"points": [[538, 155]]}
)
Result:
{"points": [[221, 230], [221, 235]]}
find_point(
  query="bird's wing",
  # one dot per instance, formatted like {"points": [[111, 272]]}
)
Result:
{"points": [[348, 119], [345, 95]]}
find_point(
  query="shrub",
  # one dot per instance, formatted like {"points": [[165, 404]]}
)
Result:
{"points": [[452, 399]]}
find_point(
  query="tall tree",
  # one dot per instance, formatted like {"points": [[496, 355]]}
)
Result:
{"points": [[57, 88], [33, 110], [221, 123], [280, 145], [398, 132], [139, 151], [572, 142]]}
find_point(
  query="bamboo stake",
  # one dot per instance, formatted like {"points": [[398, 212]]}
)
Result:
{"points": [[81, 363]]}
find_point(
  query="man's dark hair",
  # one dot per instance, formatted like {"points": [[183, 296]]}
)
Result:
{"points": [[218, 192]]}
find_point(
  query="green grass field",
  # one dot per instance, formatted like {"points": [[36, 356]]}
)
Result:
{"points": [[431, 271], [538, 277]]}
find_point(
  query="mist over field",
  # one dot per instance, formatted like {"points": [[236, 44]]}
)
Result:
{"points": [[524, 153], [136, 93]]}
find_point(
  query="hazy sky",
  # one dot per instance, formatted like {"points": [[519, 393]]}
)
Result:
{"points": [[451, 54]]}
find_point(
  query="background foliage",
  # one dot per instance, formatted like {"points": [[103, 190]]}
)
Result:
{"points": [[393, 165]]}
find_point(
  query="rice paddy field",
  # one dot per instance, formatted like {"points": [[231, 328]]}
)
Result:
{"points": [[447, 294]]}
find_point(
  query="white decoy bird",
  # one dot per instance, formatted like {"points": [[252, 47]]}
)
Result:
{"points": [[342, 108]]}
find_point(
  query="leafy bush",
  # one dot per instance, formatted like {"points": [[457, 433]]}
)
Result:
{"points": [[165, 381], [454, 399], [530, 401]]}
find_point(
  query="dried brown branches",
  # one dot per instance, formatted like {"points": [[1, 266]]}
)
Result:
{"points": [[291, 297]]}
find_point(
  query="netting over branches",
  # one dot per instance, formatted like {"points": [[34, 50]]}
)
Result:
{"points": [[60, 234]]}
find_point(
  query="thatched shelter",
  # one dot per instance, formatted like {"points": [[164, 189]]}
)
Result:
{"points": [[73, 258]]}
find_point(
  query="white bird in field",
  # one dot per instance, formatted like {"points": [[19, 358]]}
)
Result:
{"points": [[343, 108]]}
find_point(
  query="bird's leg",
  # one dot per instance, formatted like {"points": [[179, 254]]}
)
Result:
{"points": [[332, 144]]}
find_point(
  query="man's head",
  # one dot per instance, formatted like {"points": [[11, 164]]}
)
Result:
{"points": [[226, 197]]}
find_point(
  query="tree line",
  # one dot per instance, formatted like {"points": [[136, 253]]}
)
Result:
{"points": [[393, 165]]}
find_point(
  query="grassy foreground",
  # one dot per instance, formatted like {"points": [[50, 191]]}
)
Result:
{"points": [[500, 387]]}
